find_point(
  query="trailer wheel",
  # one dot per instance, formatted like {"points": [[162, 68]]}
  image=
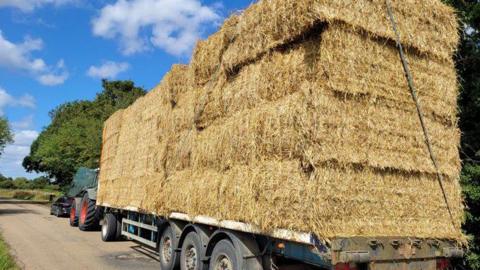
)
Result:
{"points": [[118, 233], [73, 214], [168, 256], [190, 258], [224, 257], [89, 215], [109, 228]]}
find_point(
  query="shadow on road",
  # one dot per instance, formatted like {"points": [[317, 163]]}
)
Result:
{"points": [[14, 201], [146, 251], [5, 212]]}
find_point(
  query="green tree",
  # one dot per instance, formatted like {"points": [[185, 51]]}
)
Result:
{"points": [[468, 65], [22, 183], [74, 137], [6, 136], [41, 182]]}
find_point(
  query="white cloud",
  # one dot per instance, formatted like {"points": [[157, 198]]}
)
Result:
{"points": [[30, 5], [6, 99], [172, 25], [18, 57], [107, 70], [11, 160], [25, 123], [52, 79]]}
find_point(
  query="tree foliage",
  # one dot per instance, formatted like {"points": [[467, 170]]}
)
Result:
{"points": [[468, 65], [41, 182], [74, 137], [6, 135]]}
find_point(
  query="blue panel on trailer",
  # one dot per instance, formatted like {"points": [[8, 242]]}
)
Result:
{"points": [[312, 255]]}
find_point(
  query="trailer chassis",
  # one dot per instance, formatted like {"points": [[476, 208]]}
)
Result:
{"points": [[281, 249]]}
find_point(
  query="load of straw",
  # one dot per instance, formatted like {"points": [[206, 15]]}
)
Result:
{"points": [[297, 115]]}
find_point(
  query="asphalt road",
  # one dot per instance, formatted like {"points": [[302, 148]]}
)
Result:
{"points": [[41, 241]]}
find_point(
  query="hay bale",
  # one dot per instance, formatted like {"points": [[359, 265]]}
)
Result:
{"points": [[341, 201], [322, 126], [428, 26], [178, 80], [179, 151], [183, 115], [345, 61], [111, 133], [207, 55], [360, 64]]}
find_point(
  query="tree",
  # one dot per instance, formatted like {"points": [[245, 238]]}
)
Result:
{"points": [[74, 137], [41, 182], [6, 136], [468, 65]]}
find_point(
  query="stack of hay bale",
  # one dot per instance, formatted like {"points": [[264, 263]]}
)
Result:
{"points": [[296, 114]]}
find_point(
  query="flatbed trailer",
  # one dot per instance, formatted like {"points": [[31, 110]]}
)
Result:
{"points": [[201, 242]]}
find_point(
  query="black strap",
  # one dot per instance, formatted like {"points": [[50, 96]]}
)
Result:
{"points": [[413, 92]]}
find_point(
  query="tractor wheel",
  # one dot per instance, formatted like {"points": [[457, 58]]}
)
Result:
{"points": [[73, 214], [89, 215]]}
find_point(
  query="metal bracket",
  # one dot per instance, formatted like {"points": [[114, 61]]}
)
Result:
{"points": [[453, 253], [355, 256]]}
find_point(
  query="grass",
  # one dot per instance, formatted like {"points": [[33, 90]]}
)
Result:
{"points": [[6, 260], [34, 195]]}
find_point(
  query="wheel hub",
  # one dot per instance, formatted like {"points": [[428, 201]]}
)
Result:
{"points": [[223, 263], [191, 258], [167, 249], [104, 227]]}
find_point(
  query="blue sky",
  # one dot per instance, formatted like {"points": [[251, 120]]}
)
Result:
{"points": [[54, 51]]}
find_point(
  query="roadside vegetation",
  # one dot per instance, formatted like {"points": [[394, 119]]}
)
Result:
{"points": [[38, 189], [6, 260]]}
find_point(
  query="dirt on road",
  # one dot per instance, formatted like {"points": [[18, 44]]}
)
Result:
{"points": [[41, 241]]}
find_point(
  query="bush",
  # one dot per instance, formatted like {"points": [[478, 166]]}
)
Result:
{"points": [[7, 184], [23, 195]]}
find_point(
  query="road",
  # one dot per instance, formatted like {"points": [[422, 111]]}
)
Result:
{"points": [[41, 241]]}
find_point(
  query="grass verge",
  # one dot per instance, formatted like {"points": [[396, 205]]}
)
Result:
{"points": [[21, 194], [6, 260]]}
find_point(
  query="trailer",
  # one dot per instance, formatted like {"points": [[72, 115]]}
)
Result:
{"points": [[294, 141], [201, 242]]}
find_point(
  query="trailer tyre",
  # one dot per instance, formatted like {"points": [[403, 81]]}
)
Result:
{"points": [[224, 256], [118, 233], [190, 258], [109, 228], [73, 215], [169, 259], [89, 214]]}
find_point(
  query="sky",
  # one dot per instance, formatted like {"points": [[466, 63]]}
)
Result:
{"points": [[55, 51]]}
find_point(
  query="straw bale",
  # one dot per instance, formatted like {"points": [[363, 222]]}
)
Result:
{"points": [[183, 115], [331, 127], [428, 25], [179, 151], [206, 59], [178, 80], [345, 61], [341, 201], [359, 64]]}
